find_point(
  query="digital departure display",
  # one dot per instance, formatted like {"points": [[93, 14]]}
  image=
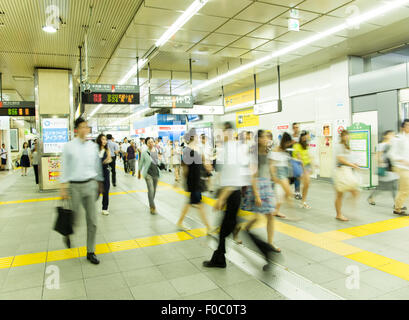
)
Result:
{"points": [[110, 98], [17, 109], [18, 112], [110, 94]]}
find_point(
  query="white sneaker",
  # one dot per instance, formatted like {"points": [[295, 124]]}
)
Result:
{"points": [[105, 212], [182, 227]]}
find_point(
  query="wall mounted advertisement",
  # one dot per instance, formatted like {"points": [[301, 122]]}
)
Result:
{"points": [[14, 146], [327, 130], [247, 118], [360, 144], [55, 134], [54, 169]]}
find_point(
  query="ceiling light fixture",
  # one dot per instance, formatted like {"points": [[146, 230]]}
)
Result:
{"points": [[133, 70], [390, 6], [95, 111], [50, 29], [185, 17], [180, 22]]}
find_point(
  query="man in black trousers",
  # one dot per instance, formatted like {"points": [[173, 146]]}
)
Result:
{"points": [[231, 182], [114, 149]]}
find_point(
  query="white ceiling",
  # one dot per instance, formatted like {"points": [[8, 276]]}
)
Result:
{"points": [[223, 35]]}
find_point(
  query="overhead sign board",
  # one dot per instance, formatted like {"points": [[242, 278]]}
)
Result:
{"points": [[17, 108], [267, 107], [110, 94], [201, 110], [170, 101]]}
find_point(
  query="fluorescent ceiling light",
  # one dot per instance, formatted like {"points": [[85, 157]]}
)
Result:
{"points": [[180, 22], [95, 111], [185, 17], [133, 70], [382, 10], [49, 29]]}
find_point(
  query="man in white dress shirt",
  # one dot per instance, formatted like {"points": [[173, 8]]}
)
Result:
{"points": [[400, 160], [81, 181]]}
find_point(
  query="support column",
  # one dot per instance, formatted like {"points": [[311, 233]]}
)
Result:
{"points": [[54, 121]]}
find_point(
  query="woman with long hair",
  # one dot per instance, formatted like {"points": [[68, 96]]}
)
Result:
{"points": [[345, 179], [106, 159], [25, 155], [148, 167], [281, 159], [263, 192], [302, 154]]}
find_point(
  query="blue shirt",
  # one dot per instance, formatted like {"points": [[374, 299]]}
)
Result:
{"points": [[81, 162], [113, 148]]}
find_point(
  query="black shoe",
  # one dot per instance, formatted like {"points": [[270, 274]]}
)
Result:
{"points": [[267, 267], [211, 264], [401, 213], [67, 241], [92, 258], [217, 261], [114, 185], [403, 209]]}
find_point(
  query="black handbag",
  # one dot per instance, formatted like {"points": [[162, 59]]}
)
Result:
{"points": [[64, 221]]}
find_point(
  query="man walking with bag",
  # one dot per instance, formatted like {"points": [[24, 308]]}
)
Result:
{"points": [[81, 180]]}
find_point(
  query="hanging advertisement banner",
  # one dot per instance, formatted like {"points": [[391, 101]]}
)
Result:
{"points": [[54, 134], [239, 98], [247, 118]]}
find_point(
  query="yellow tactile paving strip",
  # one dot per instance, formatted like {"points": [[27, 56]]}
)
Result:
{"points": [[330, 241], [66, 254], [59, 198]]}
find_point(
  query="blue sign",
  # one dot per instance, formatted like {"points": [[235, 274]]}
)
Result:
{"points": [[57, 135]]}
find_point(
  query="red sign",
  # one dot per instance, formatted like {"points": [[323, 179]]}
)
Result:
{"points": [[113, 88], [1, 104], [140, 131], [282, 127]]}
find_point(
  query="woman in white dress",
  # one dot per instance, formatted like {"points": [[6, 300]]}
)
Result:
{"points": [[345, 178]]}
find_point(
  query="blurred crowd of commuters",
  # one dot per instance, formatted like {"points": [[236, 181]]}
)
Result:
{"points": [[251, 173]]}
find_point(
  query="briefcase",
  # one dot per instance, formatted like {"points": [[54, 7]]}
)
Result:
{"points": [[64, 222]]}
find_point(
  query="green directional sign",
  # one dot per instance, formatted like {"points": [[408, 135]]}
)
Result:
{"points": [[109, 88], [170, 101]]}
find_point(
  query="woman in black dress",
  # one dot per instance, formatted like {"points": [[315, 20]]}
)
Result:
{"points": [[25, 159]]}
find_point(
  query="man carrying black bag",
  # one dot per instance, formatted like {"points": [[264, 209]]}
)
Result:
{"points": [[82, 180]]}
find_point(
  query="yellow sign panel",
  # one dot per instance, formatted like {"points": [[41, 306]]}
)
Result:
{"points": [[246, 118], [241, 98]]}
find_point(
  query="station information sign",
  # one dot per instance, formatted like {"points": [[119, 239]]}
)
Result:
{"points": [[17, 108], [201, 110], [170, 101], [110, 94]]}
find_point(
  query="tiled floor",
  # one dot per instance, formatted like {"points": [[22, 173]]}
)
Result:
{"points": [[174, 270]]}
